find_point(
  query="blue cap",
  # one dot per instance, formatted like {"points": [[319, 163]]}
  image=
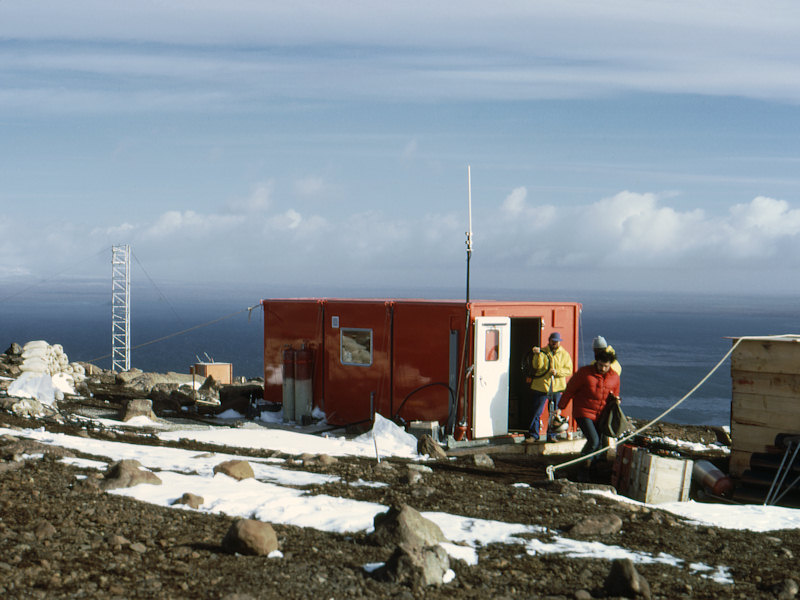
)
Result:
{"points": [[555, 337]]}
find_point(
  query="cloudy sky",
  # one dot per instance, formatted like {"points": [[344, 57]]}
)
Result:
{"points": [[634, 145]]}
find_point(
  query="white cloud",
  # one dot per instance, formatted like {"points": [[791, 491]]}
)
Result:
{"points": [[309, 186], [611, 239], [291, 219], [189, 224], [259, 200]]}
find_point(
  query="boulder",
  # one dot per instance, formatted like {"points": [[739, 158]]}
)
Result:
{"points": [[138, 407], [44, 530], [405, 525], [238, 469], [604, 524], [426, 445], [249, 536], [14, 350], [415, 566], [126, 473], [625, 580], [786, 589], [483, 461], [190, 500]]}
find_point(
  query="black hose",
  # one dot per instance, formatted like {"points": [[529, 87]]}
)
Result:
{"points": [[420, 388]]}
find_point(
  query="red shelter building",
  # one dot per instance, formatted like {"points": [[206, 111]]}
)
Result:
{"points": [[453, 362]]}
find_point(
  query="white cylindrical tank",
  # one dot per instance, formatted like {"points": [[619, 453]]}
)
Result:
{"points": [[303, 399], [288, 384]]}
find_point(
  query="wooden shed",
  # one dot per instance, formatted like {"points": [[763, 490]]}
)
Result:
{"points": [[765, 398]]}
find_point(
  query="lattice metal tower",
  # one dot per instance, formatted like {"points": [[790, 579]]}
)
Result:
{"points": [[120, 308]]}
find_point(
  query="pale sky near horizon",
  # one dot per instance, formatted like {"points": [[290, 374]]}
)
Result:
{"points": [[627, 145]]}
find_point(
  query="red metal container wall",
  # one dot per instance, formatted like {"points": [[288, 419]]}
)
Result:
{"points": [[348, 386], [422, 358], [291, 322]]}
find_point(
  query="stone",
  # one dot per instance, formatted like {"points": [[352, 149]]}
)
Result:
{"points": [[326, 460], [238, 469], [786, 589], [190, 500], [44, 530], [14, 349], [625, 580], [126, 473], [250, 536], [604, 524], [412, 477], [483, 460], [416, 566], [405, 525], [117, 541], [426, 445], [138, 407]]}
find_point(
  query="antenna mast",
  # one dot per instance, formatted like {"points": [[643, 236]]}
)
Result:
{"points": [[469, 224], [120, 308]]}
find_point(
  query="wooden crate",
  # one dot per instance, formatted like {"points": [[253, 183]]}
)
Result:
{"points": [[765, 398], [655, 479]]}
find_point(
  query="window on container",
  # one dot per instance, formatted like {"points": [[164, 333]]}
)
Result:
{"points": [[492, 345], [356, 346]]}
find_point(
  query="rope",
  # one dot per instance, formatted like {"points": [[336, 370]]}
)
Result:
{"points": [[160, 293], [551, 469], [183, 331]]}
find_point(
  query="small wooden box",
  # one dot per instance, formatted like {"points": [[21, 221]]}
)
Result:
{"points": [[221, 372], [655, 479]]}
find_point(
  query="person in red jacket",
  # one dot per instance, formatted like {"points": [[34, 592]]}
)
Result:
{"points": [[589, 390]]}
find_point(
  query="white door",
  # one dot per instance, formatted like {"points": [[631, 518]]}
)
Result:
{"points": [[490, 377]]}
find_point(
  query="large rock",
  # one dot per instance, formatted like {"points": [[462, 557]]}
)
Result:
{"points": [[415, 566], [138, 407], [426, 445], [249, 536], [190, 500], [405, 525], [625, 580], [606, 524], [126, 473], [238, 469]]}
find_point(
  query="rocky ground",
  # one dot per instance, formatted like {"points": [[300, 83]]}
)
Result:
{"points": [[61, 537]]}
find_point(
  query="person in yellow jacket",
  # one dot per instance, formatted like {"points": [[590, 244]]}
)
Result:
{"points": [[551, 366], [601, 346]]}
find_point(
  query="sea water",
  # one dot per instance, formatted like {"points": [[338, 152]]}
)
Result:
{"points": [[666, 343]]}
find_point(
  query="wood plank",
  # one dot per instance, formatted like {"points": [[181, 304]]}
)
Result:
{"points": [[749, 438], [767, 356], [769, 384], [739, 462], [764, 411]]}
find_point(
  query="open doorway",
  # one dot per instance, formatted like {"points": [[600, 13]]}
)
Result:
{"points": [[526, 333]]}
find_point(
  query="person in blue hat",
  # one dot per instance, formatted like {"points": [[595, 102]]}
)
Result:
{"points": [[551, 366]]}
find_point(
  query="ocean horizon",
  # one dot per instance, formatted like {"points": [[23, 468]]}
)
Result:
{"points": [[666, 343]]}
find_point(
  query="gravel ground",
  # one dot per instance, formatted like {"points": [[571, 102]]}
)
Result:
{"points": [[60, 537]]}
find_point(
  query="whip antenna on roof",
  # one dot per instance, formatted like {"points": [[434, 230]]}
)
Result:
{"points": [[469, 224]]}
